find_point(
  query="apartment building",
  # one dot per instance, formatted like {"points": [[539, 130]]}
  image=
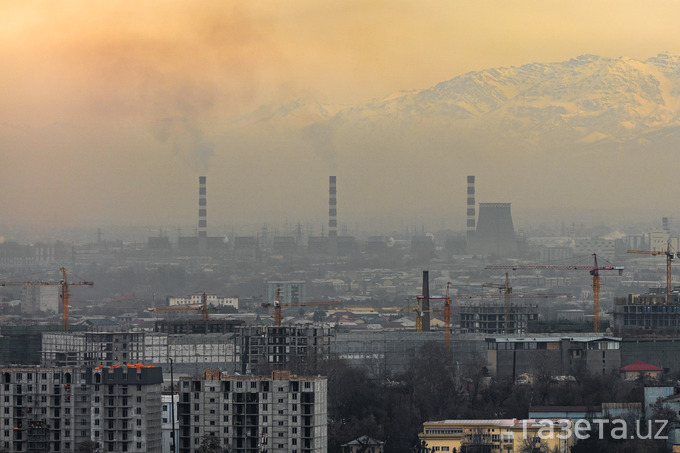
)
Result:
{"points": [[502, 435], [92, 348], [260, 349], [57, 408], [250, 414]]}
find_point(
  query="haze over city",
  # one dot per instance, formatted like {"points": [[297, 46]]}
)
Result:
{"points": [[109, 111]]}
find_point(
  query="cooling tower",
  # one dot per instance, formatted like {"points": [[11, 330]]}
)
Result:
{"points": [[495, 234]]}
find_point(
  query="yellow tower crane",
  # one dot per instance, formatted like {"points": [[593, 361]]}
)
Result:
{"points": [[64, 292], [278, 316], [594, 271], [669, 257]]}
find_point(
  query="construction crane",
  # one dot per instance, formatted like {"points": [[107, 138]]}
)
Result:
{"points": [[203, 308], [507, 290], [669, 258], [446, 313], [594, 271], [64, 292], [278, 317]]}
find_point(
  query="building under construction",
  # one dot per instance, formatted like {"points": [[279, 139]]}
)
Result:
{"points": [[490, 317], [645, 313]]}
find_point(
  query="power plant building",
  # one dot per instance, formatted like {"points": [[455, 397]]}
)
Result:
{"points": [[493, 232]]}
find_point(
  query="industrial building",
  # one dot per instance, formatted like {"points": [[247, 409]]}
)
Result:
{"points": [[392, 352], [492, 233], [56, 408], [509, 357], [251, 414]]}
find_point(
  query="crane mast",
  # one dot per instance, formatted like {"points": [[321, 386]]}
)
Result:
{"points": [[64, 284], [594, 271], [278, 315], [669, 257]]}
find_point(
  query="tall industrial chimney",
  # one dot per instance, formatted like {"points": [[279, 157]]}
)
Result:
{"points": [[332, 216], [202, 216], [426, 301], [470, 204]]}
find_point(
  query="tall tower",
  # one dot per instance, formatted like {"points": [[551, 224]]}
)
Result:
{"points": [[332, 216], [426, 301], [202, 216], [470, 205]]}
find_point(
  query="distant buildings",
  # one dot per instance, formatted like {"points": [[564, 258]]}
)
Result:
{"points": [[212, 300]]}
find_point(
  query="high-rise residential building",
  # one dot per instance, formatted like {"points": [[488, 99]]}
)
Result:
{"points": [[250, 414], [57, 408]]}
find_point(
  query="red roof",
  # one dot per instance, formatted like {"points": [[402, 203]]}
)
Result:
{"points": [[639, 365]]}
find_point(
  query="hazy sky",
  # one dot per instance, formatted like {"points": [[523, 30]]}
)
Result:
{"points": [[109, 110]]}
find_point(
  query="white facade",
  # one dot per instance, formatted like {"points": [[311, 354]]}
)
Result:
{"points": [[197, 299]]}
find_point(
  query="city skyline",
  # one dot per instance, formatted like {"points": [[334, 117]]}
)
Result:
{"points": [[112, 111]]}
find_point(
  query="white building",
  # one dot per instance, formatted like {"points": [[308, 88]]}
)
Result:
{"points": [[197, 299]]}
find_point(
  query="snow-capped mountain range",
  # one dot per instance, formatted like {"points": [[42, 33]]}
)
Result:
{"points": [[585, 100]]}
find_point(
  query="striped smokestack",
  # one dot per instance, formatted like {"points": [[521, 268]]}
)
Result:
{"points": [[470, 204], [332, 208], [332, 216], [202, 215]]}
